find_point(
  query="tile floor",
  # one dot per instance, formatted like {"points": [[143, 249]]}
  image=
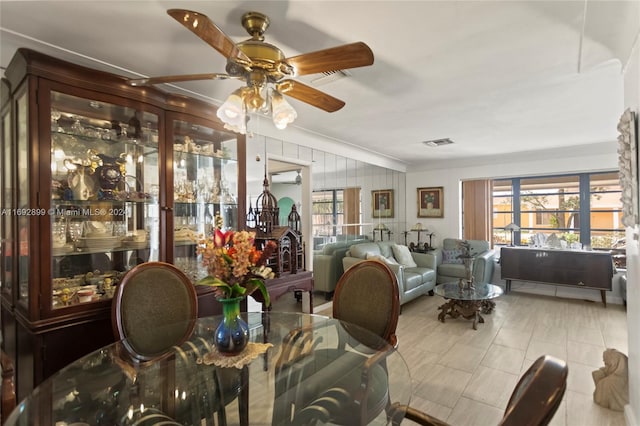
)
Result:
{"points": [[465, 376]]}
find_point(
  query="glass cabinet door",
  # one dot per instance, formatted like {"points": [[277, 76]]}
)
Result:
{"points": [[205, 189], [104, 213]]}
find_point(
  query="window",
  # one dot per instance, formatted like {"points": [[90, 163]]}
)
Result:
{"points": [[579, 208], [328, 212]]}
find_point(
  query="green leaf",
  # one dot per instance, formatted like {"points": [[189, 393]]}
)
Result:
{"points": [[238, 290], [215, 282], [259, 284]]}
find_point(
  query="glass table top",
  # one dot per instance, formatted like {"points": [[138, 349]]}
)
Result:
{"points": [[482, 291], [107, 388]]}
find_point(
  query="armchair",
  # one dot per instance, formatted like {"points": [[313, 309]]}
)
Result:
{"points": [[450, 268]]}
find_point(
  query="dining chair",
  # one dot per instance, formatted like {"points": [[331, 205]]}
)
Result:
{"points": [[533, 402], [355, 382], [8, 387], [155, 308], [154, 312]]}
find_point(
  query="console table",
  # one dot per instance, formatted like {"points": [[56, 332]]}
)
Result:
{"points": [[573, 268]]}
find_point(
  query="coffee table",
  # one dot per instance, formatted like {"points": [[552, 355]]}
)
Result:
{"points": [[467, 303]]}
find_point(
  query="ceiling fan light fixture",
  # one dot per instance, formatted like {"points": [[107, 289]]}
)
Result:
{"points": [[233, 108], [282, 112]]}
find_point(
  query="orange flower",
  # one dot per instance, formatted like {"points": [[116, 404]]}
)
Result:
{"points": [[235, 266]]}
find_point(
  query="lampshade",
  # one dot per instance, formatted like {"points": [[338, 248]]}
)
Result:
{"points": [[512, 227], [281, 112], [232, 112], [418, 227], [380, 227], [257, 98]]}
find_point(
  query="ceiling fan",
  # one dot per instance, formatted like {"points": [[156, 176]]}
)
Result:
{"points": [[265, 69]]}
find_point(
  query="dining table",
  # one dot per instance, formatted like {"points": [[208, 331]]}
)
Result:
{"points": [[187, 385]]}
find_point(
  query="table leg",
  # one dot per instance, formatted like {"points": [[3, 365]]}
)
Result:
{"points": [[464, 308]]}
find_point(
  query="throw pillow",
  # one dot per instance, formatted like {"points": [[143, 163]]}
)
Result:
{"points": [[380, 258], [451, 256], [403, 256]]}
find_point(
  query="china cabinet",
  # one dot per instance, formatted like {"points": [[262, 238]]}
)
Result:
{"points": [[97, 177]]}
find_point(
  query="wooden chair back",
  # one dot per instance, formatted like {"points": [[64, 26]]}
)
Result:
{"points": [[155, 308], [367, 295]]}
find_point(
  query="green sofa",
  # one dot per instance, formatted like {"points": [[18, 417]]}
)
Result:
{"points": [[413, 281], [327, 264]]}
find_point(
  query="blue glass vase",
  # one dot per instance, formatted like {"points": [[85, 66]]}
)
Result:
{"points": [[232, 334]]}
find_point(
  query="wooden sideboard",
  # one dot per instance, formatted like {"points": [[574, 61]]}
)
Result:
{"points": [[573, 268]]}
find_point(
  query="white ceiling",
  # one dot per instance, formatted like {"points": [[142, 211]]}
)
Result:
{"points": [[497, 77]]}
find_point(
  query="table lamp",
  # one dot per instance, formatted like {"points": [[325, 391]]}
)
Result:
{"points": [[511, 228]]}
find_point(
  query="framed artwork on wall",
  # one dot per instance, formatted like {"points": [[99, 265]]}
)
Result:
{"points": [[382, 203], [431, 202]]}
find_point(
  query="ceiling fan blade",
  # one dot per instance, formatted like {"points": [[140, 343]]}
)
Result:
{"points": [[204, 28], [176, 78], [352, 55], [308, 94]]}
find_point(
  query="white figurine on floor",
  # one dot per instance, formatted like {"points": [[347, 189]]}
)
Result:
{"points": [[612, 381]]}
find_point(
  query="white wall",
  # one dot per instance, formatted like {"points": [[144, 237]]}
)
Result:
{"points": [[632, 100]]}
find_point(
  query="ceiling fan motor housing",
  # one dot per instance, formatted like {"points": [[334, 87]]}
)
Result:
{"points": [[264, 56]]}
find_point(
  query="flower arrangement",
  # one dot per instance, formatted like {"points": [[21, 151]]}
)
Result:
{"points": [[235, 266]]}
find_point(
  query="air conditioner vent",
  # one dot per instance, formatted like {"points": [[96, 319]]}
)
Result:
{"points": [[438, 142], [330, 76]]}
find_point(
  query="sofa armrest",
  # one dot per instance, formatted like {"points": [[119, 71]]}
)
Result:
{"points": [[349, 261], [483, 267], [323, 273], [425, 260], [437, 253]]}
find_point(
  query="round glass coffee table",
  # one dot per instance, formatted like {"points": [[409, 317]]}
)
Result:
{"points": [[467, 302]]}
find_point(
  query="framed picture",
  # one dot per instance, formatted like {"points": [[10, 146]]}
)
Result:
{"points": [[431, 202], [382, 203]]}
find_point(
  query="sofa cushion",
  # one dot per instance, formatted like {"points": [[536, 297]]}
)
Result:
{"points": [[403, 256], [360, 250], [426, 274], [386, 249], [412, 280], [388, 260], [451, 256]]}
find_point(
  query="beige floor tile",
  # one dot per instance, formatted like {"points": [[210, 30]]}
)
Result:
{"points": [[550, 333], [592, 336], [580, 379], [438, 342], [584, 353], [505, 359], [431, 408], [462, 357], [520, 321], [582, 411], [513, 338], [468, 412], [443, 385], [538, 348], [480, 338], [491, 386]]}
